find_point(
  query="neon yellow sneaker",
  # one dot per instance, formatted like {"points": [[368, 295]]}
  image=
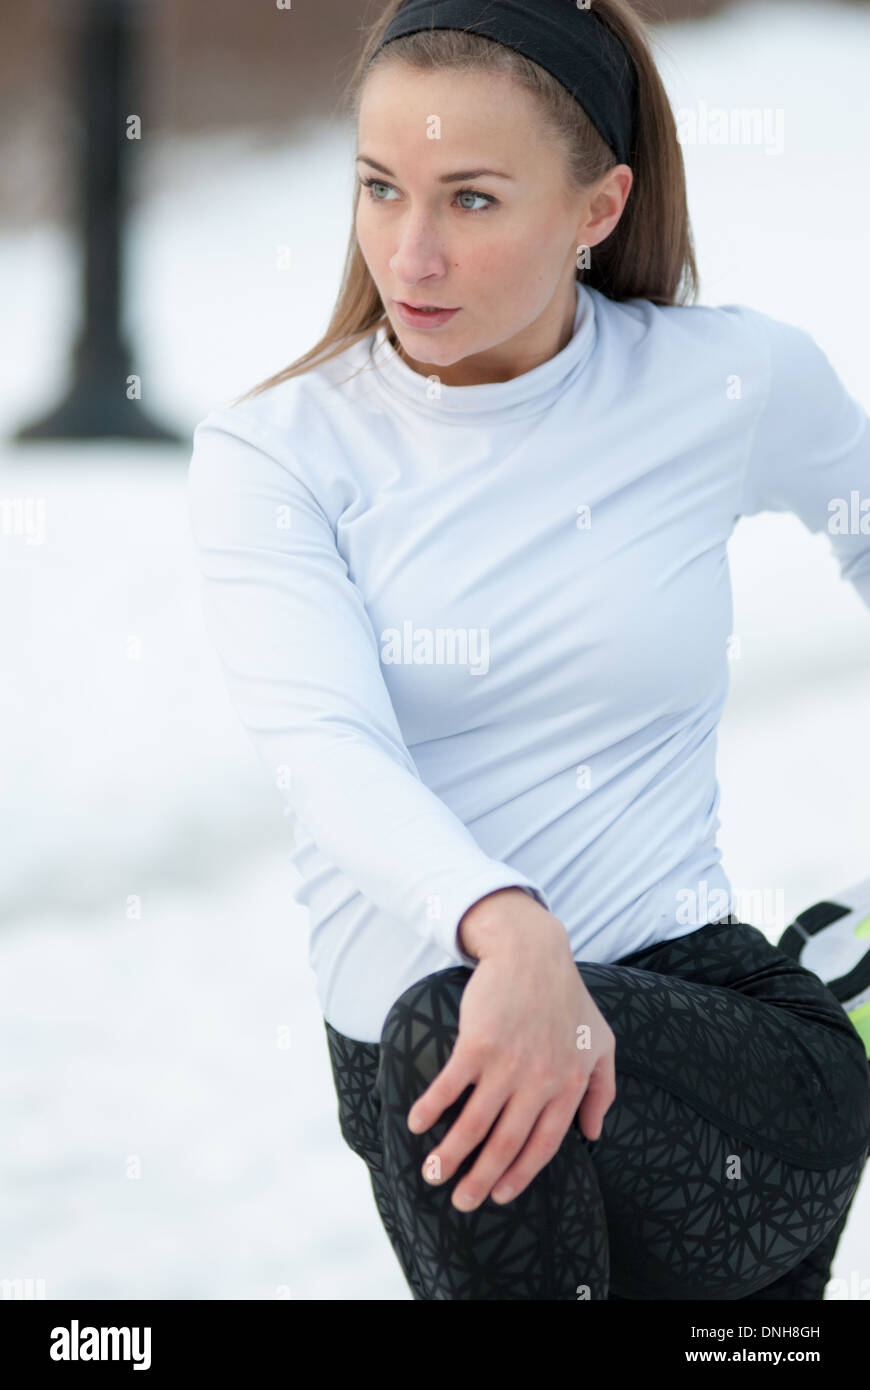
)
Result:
{"points": [[832, 938]]}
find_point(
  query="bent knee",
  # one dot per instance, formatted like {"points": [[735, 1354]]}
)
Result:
{"points": [[421, 1028]]}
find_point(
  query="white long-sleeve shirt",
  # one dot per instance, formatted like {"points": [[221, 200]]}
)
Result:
{"points": [[479, 634]]}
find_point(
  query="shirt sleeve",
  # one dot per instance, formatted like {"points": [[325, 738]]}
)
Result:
{"points": [[303, 671], [810, 452]]}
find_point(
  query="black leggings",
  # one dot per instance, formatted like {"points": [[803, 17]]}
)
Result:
{"points": [[725, 1167]]}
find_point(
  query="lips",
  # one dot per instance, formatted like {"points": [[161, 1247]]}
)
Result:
{"points": [[419, 317]]}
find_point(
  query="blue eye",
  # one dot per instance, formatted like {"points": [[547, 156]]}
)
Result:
{"points": [[372, 184]]}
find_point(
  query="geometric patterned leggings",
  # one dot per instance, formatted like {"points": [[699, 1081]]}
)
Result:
{"points": [[725, 1167]]}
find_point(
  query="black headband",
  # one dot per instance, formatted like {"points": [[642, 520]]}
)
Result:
{"points": [[569, 42]]}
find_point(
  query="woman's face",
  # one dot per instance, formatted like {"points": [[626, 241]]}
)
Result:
{"points": [[499, 247]]}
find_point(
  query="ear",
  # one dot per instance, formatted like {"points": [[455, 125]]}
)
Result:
{"points": [[605, 206]]}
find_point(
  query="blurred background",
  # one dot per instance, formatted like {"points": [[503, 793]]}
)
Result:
{"points": [[168, 1118]]}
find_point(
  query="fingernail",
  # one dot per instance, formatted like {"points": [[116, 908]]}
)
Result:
{"points": [[465, 1200], [414, 1123], [503, 1194]]}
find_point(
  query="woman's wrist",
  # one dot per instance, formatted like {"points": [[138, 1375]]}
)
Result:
{"points": [[499, 920]]}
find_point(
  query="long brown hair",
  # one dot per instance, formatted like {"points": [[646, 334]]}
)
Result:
{"points": [[649, 254]]}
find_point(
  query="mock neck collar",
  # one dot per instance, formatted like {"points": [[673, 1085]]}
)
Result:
{"points": [[523, 394]]}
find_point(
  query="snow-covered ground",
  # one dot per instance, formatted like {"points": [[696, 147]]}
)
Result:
{"points": [[169, 1123]]}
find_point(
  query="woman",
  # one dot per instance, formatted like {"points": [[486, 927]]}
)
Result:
{"points": [[466, 569]]}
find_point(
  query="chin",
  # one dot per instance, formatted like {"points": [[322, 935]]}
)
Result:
{"points": [[429, 347]]}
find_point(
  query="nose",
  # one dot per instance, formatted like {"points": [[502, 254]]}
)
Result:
{"points": [[420, 254]]}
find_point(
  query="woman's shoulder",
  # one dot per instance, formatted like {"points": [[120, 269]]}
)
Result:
{"points": [[729, 322], [291, 408], [641, 315], [696, 339], [285, 437]]}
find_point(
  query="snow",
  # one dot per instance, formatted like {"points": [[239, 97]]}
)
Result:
{"points": [[170, 1121]]}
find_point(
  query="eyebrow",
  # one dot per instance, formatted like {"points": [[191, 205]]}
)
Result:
{"points": [[456, 177]]}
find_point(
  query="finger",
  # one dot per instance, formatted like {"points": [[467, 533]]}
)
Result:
{"points": [[543, 1143], [598, 1097], [457, 1073], [515, 1126], [473, 1124]]}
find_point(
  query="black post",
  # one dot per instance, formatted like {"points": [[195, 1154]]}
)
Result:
{"points": [[101, 401]]}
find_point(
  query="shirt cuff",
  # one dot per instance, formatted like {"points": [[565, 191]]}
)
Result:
{"points": [[471, 892]]}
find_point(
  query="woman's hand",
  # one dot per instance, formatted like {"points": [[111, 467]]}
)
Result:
{"points": [[532, 1042]]}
